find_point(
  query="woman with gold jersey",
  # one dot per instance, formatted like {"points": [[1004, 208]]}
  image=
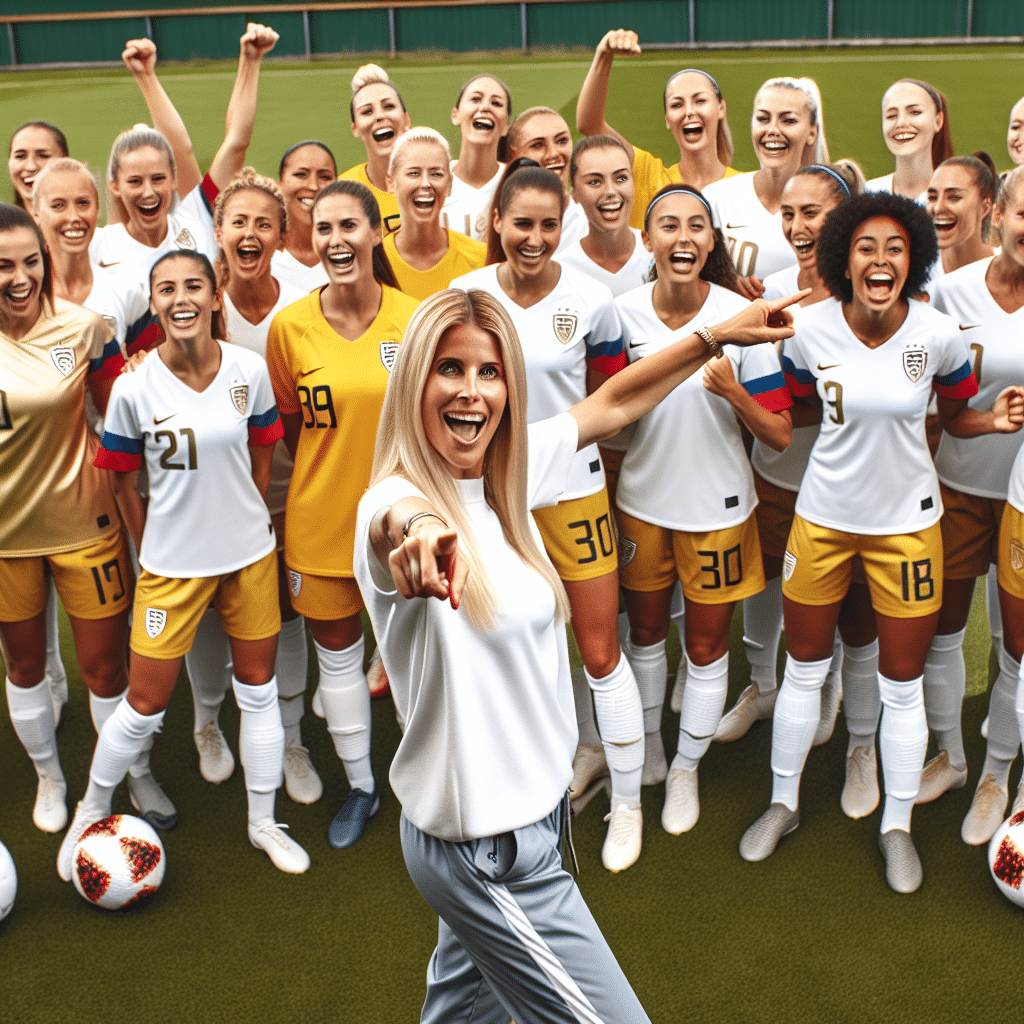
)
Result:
{"points": [[330, 356], [58, 509], [695, 114], [379, 117], [424, 255]]}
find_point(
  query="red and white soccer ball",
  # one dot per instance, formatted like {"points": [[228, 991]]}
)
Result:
{"points": [[118, 862], [8, 882], [1006, 858]]}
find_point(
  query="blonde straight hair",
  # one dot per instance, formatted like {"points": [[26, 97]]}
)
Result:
{"points": [[402, 448]]}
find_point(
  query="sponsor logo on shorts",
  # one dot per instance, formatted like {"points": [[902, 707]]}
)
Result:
{"points": [[240, 397], [564, 325], [1016, 555], [914, 362], [185, 240], [63, 357], [627, 549], [295, 581], [388, 354], [788, 565], [156, 619]]}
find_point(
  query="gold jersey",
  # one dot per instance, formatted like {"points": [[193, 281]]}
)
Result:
{"points": [[464, 254], [338, 387], [387, 201], [650, 175], [52, 498]]}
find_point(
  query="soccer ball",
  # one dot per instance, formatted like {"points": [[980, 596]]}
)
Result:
{"points": [[1006, 858], [118, 862], [8, 882]]}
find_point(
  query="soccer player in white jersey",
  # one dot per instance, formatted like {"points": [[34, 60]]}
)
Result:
{"points": [[32, 146], [481, 113], [571, 342], [150, 167], [986, 299], [915, 126], [787, 131], [960, 198], [866, 363], [471, 617], [201, 414], [704, 537]]}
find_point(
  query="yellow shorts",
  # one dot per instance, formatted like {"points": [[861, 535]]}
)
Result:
{"points": [[579, 536], [1010, 569], [324, 597], [167, 611], [970, 533], [714, 567], [903, 571], [774, 513], [94, 582]]}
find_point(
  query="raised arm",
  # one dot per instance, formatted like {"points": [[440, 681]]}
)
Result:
{"points": [[590, 107]]}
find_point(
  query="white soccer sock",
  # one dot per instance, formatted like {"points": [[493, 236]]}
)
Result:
{"points": [[125, 733], [32, 717], [290, 667], [703, 700], [617, 703], [346, 700], [209, 668], [903, 740], [581, 695], [945, 682], [992, 608], [862, 705], [1003, 730], [622, 628], [762, 631], [101, 708], [260, 745], [55, 670], [797, 711]]}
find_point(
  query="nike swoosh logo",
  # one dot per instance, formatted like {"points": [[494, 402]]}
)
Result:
{"points": [[115, 264], [633, 343], [733, 227], [829, 367], [165, 419], [968, 327]]}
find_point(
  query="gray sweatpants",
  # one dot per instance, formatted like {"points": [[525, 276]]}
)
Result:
{"points": [[514, 939]]}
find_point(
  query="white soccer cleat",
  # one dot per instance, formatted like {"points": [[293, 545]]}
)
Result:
{"points": [[284, 853], [300, 777], [216, 762], [903, 869], [678, 687], [752, 706], [625, 833], [317, 704], [682, 802], [151, 802], [50, 813], [988, 809], [860, 792], [760, 840], [938, 776], [831, 697], [589, 775], [84, 817]]}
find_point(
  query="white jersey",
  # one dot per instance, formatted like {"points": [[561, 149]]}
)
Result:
{"points": [[254, 338], [466, 210], [189, 226], [633, 273], [572, 327], [686, 468], [756, 243], [884, 184], [995, 338], [870, 471], [205, 515], [574, 226], [120, 300], [782, 283], [490, 724], [288, 270]]}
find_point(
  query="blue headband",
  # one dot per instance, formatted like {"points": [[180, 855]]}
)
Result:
{"points": [[679, 190], [830, 173], [718, 92]]}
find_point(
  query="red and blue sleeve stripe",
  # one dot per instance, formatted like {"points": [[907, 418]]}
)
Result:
{"points": [[144, 334], [209, 191], [123, 454], [265, 428], [770, 391], [606, 357], [800, 382], [108, 363], [958, 384]]}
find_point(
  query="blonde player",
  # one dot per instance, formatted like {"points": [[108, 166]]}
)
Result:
{"points": [[481, 113], [424, 255], [1014, 133], [330, 356], [572, 341], [32, 146], [379, 117], [695, 114], [960, 198]]}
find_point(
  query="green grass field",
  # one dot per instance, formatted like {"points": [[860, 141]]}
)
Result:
{"points": [[812, 935]]}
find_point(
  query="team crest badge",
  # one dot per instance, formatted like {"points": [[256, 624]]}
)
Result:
{"points": [[1016, 555], [63, 357], [185, 239], [565, 326], [240, 397], [914, 362], [388, 354], [627, 549], [788, 566], [295, 580], [156, 619]]}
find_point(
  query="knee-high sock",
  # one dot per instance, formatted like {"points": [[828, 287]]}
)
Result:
{"points": [[290, 668], [101, 708], [1003, 730], [123, 736], [346, 700], [762, 630], [903, 739], [260, 745], [581, 695], [862, 705], [650, 667], [797, 711], [945, 682], [703, 700], [54, 663], [677, 613], [995, 615], [621, 717], [209, 668], [32, 717]]}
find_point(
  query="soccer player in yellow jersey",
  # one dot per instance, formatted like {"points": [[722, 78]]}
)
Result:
{"points": [[330, 356], [426, 257]]}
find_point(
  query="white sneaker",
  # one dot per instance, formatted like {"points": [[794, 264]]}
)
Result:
{"points": [[300, 777], [151, 802], [317, 704], [760, 840], [284, 853], [984, 728], [622, 843], [58, 697], [589, 775], [682, 802], [50, 813], [831, 696], [938, 776], [678, 687], [752, 706], [988, 809], [216, 762], [84, 817], [655, 766], [860, 792]]}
